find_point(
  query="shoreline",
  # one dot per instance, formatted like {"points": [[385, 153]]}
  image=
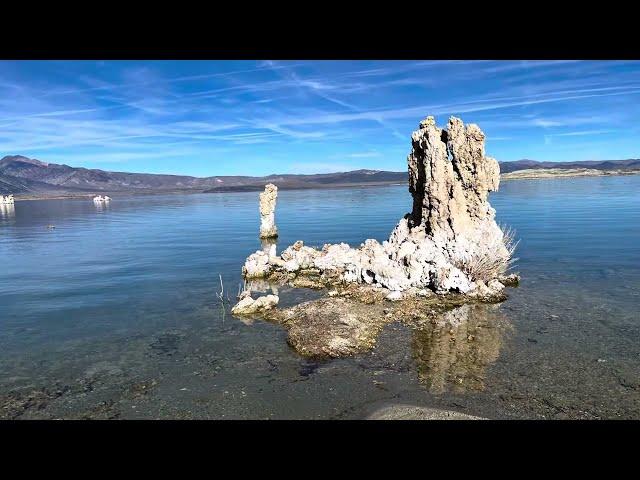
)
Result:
{"points": [[543, 174], [527, 174], [74, 196]]}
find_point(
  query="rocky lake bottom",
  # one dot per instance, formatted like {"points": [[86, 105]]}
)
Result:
{"points": [[115, 313]]}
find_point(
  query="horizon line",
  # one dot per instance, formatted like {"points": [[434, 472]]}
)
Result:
{"points": [[303, 174]]}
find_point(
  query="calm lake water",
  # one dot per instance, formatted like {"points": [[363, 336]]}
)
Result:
{"points": [[114, 313]]}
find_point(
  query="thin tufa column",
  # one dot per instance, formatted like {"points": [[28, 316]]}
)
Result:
{"points": [[268, 198]]}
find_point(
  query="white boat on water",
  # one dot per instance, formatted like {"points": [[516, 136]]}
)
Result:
{"points": [[101, 199], [6, 200]]}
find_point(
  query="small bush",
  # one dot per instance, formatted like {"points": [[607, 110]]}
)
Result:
{"points": [[492, 261]]}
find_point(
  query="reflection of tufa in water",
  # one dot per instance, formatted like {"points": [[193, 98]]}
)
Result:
{"points": [[260, 285], [454, 352], [7, 210], [268, 246]]}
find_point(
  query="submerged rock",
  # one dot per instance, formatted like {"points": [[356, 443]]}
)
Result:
{"points": [[449, 242], [331, 327], [267, 211], [512, 280]]}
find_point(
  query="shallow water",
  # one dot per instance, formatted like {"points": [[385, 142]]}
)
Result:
{"points": [[114, 312]]}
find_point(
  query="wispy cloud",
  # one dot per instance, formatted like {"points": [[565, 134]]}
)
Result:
{"points": [[319, 167], [506, 66], [147, 82], [541, 122], [320, 89], [279, 115], [580, 133], [357, 155], [364, 155], [471, 106]]}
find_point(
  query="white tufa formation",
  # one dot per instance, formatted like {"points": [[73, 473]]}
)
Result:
{"points": [[267, 211], [6, 200], [248, 305], [450, 242]]}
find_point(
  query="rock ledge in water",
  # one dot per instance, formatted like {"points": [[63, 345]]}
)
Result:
{"points": [[248, 306], [349, 322]]}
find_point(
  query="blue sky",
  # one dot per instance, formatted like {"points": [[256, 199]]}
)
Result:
{"points": [[259, 117]]}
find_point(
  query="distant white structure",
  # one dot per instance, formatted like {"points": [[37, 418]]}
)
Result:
{"points": [[6, 200], [101, 199]]}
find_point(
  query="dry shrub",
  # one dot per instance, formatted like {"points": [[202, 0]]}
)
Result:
{"points": [[496, 259]]}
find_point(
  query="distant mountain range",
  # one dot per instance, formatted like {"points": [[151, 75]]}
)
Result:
{"points": [[29, 177]]}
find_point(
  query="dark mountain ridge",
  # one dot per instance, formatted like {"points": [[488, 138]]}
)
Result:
{"points": [[26, 176]]}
